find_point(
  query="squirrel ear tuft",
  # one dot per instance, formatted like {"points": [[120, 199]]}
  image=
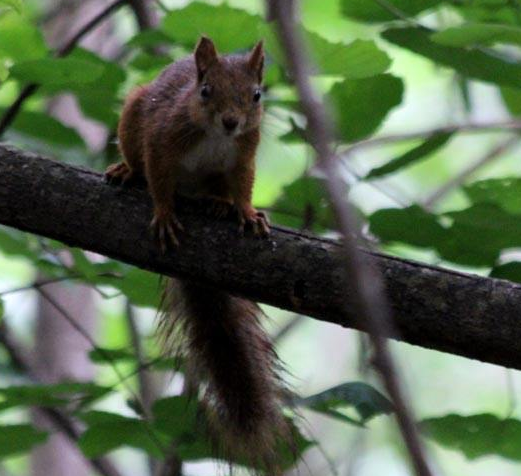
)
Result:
{"points": [[256, 60], [205, 56]]}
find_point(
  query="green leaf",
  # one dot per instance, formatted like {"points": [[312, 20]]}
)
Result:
{"points": [[15, 243], [304, 203], [478, 235], [510, 271], [14, 4], [472, 63], [176, 416], [56, 71], [41, 126], [488, 11], [51, 395], [503, 192], [20, 40], [364, 399], [16, 439], [476, 435], [411, 225], [470, 34], [231, 28], [373, 12], [109, 431], [140, 286], [146, 61], [421, 152], [512, 99], [149, 39], [359, 59], [99, 98], [361, 105], [107, 356]]}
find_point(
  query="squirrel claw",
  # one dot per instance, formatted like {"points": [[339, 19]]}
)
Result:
{"points": [[219, 209], [119, 173], [164, 229], [257, 220]]}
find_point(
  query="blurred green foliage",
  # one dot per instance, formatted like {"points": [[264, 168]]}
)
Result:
{"points": [[360, 79]]}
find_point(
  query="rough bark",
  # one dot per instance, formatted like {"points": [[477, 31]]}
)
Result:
{"points": [[432, 307]]}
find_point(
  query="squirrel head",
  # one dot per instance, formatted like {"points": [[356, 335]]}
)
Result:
{"points": [[228, 90]]}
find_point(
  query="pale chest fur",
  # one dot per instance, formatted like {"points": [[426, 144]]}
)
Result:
{"points": [[211, 155]]}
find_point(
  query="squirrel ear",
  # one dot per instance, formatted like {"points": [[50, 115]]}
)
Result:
{"points": [[205, 56], [256, 60]]}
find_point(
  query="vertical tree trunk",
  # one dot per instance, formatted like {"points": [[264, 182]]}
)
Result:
{"points": [[60, 351]]}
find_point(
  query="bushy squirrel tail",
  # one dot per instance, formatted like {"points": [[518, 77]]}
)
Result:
{"points": [[227, 351]]}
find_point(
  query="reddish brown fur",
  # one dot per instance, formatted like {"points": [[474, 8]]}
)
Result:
{"points": [[162, 129]]}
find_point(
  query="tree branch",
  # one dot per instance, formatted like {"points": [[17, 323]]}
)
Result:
{"points": [[432, 307]]}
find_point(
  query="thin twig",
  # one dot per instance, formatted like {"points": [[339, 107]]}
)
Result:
{"points": [[108, 358], [495, 153], [146, 385], [145, 16], [59, 420], [494, 126], [366, 285], [64, 50]]}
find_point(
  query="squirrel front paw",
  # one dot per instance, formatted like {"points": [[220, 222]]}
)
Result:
{"points": [[257, 220], [119, 173], [165, 226]]}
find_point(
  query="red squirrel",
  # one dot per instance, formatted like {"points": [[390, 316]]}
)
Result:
{"points": [[195, 130]]}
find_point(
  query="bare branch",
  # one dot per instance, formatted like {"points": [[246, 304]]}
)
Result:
{"points": [[495, 153], [494, 126], [370, 302]]}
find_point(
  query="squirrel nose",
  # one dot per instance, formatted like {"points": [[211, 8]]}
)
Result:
{"points": [[230, 123]]}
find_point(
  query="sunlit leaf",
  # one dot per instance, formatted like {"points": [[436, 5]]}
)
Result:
{"points": [[476, 435], [471, 63], [231, 28], [21, 40], [503, 192], [470, 34], [56, 71]]}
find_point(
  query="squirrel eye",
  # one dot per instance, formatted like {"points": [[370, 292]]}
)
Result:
{"points": [[205, 91], [257, 95]]}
